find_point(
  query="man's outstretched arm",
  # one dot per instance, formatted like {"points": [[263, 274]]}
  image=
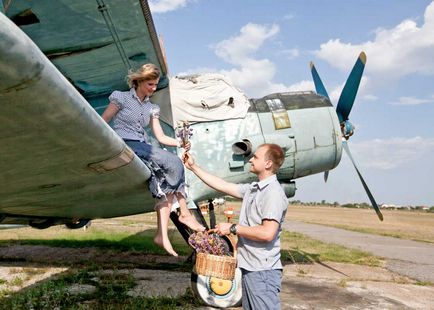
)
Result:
{"points": [[266, 232], [211, 180]]}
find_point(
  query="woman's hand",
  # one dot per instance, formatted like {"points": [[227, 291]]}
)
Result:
{"points": [[187, 146]]}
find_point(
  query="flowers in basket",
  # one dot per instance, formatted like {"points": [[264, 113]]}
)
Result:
{"points": [[207, 243]]}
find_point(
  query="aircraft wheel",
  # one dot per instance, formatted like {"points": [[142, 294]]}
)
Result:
{"points": [[77, 224], [217, 292], [41, 224]]}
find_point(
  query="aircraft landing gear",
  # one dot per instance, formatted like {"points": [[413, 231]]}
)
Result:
{"points": [[217, 292], [77, 224], [41, 224]]}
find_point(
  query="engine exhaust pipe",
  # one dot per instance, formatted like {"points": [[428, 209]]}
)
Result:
{"points": [[243, 147]]}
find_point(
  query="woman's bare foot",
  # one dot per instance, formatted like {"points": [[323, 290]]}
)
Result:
{"points": [[165, 244], [190, 221]]}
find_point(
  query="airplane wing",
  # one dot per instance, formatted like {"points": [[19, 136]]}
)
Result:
{"points": [[59, 61]]}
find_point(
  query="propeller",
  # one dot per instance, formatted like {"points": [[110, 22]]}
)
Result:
{"points": [[348, 94], [371, 198], [320, 89], [343, 109]]}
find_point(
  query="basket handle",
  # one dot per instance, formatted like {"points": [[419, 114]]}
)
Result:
{"points": [[234, 240]]}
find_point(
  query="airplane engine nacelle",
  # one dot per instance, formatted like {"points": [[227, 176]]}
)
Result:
{"points": [[306, 126], [289, 189]]}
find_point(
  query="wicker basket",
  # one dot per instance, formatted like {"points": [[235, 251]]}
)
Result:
{"points": [[222, 267]]}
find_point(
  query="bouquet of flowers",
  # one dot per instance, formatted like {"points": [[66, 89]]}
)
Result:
{"points": [[207, 243], [184, 132]]}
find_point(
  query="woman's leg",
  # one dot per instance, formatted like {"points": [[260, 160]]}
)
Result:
{"points": [[185, 216], [174, 178], [163, 214]]}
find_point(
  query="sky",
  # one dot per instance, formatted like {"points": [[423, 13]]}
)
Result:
{"points": [[266, 46]]}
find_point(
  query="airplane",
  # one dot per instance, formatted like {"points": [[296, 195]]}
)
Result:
{"points": [[62, 164]]}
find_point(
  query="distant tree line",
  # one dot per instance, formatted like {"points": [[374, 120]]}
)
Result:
{"points": [[356, 205]]}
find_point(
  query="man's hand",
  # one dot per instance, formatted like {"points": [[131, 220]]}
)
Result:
{"points": [[223, 228], [188, 160], [213, 181]]}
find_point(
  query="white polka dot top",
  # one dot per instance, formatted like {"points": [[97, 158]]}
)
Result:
{"points": [[133, 115]]}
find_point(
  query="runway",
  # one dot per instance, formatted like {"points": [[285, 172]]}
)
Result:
{"points": [[410, 258]]}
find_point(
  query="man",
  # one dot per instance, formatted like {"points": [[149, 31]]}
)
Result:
{"points": [[262, 213]]}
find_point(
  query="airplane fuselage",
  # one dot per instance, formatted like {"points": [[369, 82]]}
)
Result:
{"points": [[307, 128]]}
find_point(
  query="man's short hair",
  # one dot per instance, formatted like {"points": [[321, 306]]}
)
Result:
{"points": [[275, 154]]}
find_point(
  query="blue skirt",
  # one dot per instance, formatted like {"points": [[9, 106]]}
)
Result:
{"points": [[167, 170]]}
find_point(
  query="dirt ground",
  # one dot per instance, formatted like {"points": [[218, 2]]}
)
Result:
{"points": [[313, 286], [304, 286]]}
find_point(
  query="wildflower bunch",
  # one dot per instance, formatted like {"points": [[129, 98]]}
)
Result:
{"points": [[213, 243], [184, 132]]}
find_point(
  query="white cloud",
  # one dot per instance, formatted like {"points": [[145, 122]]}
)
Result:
{"points": [[412, 101], [399, 51], [278, 87], [197, 70], [291, 53], [391, 153], [304, 85], [237, 50], [163, 6], [370, 97], [255, 76]]}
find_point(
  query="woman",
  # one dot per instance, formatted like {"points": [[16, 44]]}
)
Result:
{"points": [[131, 112]]}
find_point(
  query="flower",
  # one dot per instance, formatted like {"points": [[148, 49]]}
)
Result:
{"points": [[184, 132], [206, 243]]}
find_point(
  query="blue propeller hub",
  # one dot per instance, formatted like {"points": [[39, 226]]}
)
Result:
{"points": [[347, 129]]}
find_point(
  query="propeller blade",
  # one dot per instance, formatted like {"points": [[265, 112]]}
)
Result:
{"points": [[319, 86], [346, 100], [371, 198], [326, 176]]}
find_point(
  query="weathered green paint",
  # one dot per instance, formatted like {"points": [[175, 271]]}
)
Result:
{"points": [[75, 37], [49, 136]]}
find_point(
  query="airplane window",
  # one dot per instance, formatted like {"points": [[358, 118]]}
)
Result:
{"points": [[279, 113], [291, 101]]}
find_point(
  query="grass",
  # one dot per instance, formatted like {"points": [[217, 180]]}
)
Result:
{"points": [[298, 248], [111, 293], [99, 238], [17, 281]]}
